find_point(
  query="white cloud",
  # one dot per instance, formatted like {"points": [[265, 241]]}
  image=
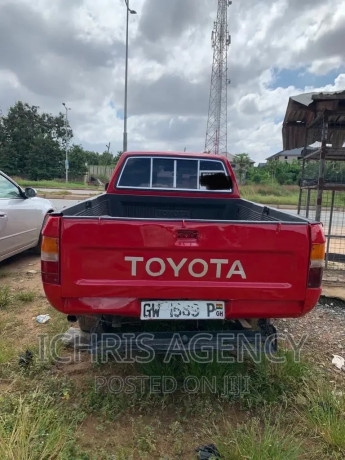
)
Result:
{"points": [[74, 52], [326, 65]]}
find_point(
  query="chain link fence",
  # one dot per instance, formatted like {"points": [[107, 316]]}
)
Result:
{"points": [[333, 219]]}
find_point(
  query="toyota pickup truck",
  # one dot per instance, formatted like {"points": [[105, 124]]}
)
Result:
{"points": [[172, 243]]}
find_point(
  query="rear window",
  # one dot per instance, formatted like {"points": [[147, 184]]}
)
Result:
{"points": [[162, 173], [187, 174], [136, 173], [174, 173]]}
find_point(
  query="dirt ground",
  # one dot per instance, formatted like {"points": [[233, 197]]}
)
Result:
{"points": [[323, 328], [324, 332]]}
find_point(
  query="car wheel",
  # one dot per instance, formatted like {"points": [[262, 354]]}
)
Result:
{"points": [[37, 248]]}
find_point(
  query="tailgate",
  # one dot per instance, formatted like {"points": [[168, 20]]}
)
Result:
{"points": [[184, 260]]}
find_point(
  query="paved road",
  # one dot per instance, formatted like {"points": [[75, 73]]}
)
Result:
{"points": [[338, 220], [61, 204]]}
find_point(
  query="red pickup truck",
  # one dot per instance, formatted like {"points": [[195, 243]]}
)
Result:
{"points": [[171, 239]]}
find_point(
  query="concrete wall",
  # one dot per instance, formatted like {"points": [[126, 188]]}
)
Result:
{"points": [[287, 159]]}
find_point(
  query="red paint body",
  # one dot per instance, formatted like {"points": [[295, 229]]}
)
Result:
{"points": [[95, 278]]}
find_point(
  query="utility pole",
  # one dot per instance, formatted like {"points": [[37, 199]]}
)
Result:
{"points": [[108, 147], [66, 140], [129, 11], [216, 133]]}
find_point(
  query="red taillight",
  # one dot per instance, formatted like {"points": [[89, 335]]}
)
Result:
{"points": [[50, 272], [315, 277], [50, 253], [50, 266], [317, 258]]}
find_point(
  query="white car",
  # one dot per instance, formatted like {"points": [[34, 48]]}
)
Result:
{"points": [[22, 215]]}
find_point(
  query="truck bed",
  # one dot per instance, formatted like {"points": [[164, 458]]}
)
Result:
{"points": [[153, 207], [118, 249]]}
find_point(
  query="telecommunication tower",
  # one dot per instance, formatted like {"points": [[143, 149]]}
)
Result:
{"points": [[216, 134]]}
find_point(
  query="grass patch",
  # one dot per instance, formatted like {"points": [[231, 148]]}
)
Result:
{"points": [[325, 414], [268, 190], [252, 383], [6, 354], [57, 192], [171, 425], [26, 296], [112, 404], [271, 194], [192, 389], [145, 439], [7, 349], [5, 296], [272, 199], [34, 427], [273, 383], [53, 184], [276, 194], [260, 440], [13, 342]]}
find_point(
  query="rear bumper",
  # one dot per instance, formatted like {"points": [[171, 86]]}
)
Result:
{"points": [[240, 341], [234, 308]]}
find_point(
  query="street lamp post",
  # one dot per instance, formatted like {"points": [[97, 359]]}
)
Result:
{"points": [[66, 124], [129, 11]]}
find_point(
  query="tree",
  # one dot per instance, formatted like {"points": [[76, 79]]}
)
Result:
{"points": [[77, 158], [117, 157], [45, 159], [258, 175], [32, 143], [106, 159], [243, 163], [283, 172], [91, 158]]}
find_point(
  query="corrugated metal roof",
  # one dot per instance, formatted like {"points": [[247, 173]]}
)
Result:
{"points": [[305, 98], [303, 119], [287, 153]]}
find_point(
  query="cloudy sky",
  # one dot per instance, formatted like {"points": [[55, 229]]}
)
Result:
{"points": [[73, 51]]}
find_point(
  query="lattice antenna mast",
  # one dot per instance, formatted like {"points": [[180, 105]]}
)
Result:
{"points": [[216, 134]]}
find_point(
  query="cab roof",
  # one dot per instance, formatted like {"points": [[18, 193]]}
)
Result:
{"points": [[182, 154]]}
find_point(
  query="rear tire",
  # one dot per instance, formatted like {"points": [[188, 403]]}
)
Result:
{"points": [[37, 249]]}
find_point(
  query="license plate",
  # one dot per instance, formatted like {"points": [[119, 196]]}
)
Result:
{"points": [[184, 309]]}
